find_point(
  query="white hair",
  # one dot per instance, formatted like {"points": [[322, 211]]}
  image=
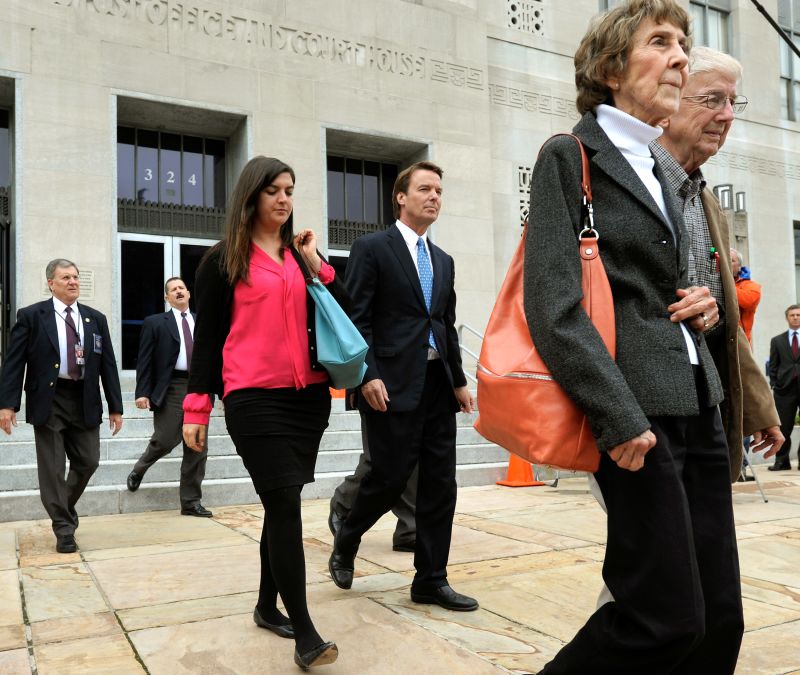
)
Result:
{"points": [[706, 60]]}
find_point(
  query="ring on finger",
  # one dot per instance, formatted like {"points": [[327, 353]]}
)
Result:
{"points": [[706, 322]]}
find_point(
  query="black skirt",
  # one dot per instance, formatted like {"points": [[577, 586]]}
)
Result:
{"points": [[277, 432]]}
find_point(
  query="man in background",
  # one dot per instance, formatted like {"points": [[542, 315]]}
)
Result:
{"points": [[162, 372]]}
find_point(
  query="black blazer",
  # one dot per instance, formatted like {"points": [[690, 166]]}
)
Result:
{"points": [[159, 348], [646, 260], [389, 310], [33, 352], [783, 367], [214, 296]]}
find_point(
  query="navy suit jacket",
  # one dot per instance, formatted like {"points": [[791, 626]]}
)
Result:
{"points": [[389, 309], [783, 367], [159, 348], [33, 353]]}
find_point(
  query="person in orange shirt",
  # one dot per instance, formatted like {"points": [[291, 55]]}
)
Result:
{"points": [[748, 293]]}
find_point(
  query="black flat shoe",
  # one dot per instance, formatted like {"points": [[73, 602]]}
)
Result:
{"points": [[341, 568], [783, 466], [321, 655], [405, 546], [446, 597], [197, 510], [65, 543], [285, 630], [134, 481]]}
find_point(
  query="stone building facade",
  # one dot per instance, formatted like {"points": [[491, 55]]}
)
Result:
{"points": [[124, 123]]}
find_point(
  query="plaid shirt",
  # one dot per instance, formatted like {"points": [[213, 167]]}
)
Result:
{"points": [[703, 270]]}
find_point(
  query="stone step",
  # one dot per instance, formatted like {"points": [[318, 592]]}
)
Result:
{"points": [[115, 471], [100, 500], [344, 430]]}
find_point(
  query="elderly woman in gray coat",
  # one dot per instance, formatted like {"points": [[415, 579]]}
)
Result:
{"points": [[671, 561]]}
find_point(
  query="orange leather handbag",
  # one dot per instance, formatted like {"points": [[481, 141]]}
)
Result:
{"points": [[521, 407]]}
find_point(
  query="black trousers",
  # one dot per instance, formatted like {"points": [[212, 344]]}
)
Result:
{"points": [[787, 401], [65, 436], [404, 509], [671, 561], [167, 433], [399, 441]]}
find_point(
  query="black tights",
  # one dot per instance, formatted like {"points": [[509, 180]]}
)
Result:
{"points": [[283, 565]]}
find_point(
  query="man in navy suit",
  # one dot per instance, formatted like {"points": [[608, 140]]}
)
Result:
{"points": [[162, 372], [63, 349], [784, 378], [404, 304]]}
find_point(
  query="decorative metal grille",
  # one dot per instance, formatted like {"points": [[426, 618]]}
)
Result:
{"points": [[170, 219], [526, 15], [342, 233], [524, 191]]}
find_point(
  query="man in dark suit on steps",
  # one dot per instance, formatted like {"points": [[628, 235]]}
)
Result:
{"points": [[784, 369], [162, 372], [404, 304], [63, 349]]}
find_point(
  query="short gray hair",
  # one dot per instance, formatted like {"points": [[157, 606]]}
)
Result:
{"points": [[738, 255], [50, 270], [706, 60]]}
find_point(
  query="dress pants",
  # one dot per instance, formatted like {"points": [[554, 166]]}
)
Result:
{"points": [[405, 509], [398, 441], [787, 401], [65, 436], [167, 433], [671, 561]]}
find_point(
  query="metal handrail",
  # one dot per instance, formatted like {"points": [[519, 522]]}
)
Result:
{"points": [[466, 350]]}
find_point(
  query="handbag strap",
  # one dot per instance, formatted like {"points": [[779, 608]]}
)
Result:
{"points": [[586, 188], [303, 265]]}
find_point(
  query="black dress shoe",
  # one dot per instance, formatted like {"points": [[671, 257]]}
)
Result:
{"points": [[405, 546], [321, 655], [134, 480], [285, 630], [782, 466], [197, 510], [341, 566], [65, 543], [335, 522], [446, 597]]}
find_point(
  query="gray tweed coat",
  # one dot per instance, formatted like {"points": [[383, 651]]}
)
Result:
{"points": [[645, 261]]}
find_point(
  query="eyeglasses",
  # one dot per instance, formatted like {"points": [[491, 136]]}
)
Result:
{"points": [[716, 101]]}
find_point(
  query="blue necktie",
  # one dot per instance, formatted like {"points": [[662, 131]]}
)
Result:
{"points": [[426, 281]]}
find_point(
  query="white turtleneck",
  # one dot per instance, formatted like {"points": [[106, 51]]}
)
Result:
{"points": [[632, 137]]}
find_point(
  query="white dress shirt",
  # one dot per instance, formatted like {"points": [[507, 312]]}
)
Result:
{"points": [[181, 363], [632, 137], [792, 332], [62, 328], [411, 238]]}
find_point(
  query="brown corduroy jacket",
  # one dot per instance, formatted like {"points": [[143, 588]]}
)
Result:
{"points": [[748, 404]]}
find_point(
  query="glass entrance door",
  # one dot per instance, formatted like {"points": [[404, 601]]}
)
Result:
{"points": [[146, 262]]}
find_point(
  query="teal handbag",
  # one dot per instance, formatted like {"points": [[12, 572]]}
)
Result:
{"points": [[341, 349]]}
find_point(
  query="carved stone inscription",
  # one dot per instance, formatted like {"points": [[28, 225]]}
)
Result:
{"points": [[532, 101], [191, 18]]}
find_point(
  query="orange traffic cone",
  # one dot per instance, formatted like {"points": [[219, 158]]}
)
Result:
{"points": [[519, 474]]}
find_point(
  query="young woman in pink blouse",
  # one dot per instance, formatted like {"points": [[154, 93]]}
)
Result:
{"points": [[254, 345]]}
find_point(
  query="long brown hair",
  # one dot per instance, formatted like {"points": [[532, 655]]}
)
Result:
{"points": [[240, 216]]}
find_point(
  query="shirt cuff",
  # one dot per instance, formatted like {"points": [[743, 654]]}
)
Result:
{"points": [[326, 273], [197, 409]]}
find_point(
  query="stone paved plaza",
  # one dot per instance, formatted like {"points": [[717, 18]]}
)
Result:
{"points": [[165, 594]]}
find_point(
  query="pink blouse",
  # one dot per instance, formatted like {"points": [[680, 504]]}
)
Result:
{"points": [[267, 346]]}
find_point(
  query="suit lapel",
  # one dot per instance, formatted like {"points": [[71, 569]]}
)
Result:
{"points": [[398, 246], [610, 161], [172, 325], [438, 266], [49, 322], [89, 328]]}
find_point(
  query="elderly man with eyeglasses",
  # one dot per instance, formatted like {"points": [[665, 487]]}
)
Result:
{"points": [[690, 138]]}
